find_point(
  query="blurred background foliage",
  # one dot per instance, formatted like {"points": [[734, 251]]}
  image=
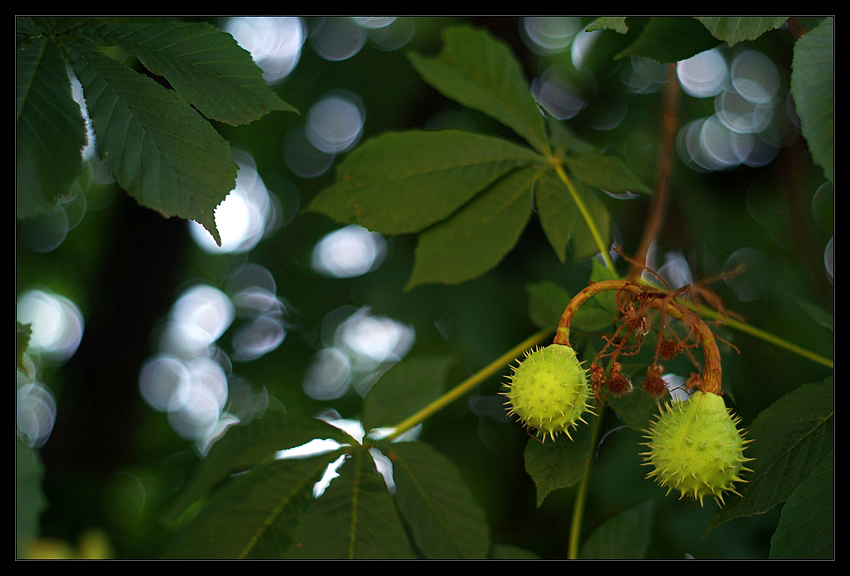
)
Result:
{"points": [[301, 313]]}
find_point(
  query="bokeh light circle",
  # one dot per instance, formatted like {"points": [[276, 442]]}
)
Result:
{"points": [[349, 252], [57, 324], [275, 43]]}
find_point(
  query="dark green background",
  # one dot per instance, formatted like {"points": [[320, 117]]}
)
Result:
{"points": [[125, 264]]}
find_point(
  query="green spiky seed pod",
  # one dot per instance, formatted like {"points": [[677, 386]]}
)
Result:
{"points": [[548, 391], [696, 448]]}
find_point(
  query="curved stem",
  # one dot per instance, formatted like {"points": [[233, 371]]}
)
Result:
{"points": [[562, 336], [467, 385], [712, 371]]}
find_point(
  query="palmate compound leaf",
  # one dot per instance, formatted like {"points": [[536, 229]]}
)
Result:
{"points": [[587, 163], [206, 67], [403, 182], [203, 64], [49, 130], [160, 150]]}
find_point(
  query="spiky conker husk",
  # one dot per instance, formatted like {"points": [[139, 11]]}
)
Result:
{"points": [[548, 391], [696, 448]]}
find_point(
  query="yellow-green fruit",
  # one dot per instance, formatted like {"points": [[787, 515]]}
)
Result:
{"points": [[548, 391], [696, 448]]}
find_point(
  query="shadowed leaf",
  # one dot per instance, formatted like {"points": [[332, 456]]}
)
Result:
{"points": [[203, 64], [563, 221], [159, 149], [354, 518], [559, 463], [255, 515], [49, 131], [737, 29], [404, 389], [478, 236], [444, 519], [807, 527], [788, 438], [626, 536], [812, 85], [670, 39], [245, 446]]}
